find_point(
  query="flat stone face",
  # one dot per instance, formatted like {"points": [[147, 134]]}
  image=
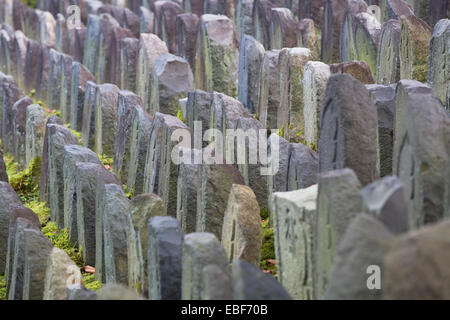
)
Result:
{"points": [[36, 119], [388, 61], [165, 23], [18, 126], [364, 245], [217, 284], [421, 147], [129, 49], [241, 232], [250, 283], [315, 79], [217, 55], [309, 38], [198, 108], [338, 202], [146, 20], [438, 59], [283, 25], [61, 272], [357, 69], [261, 19], [294, 214], [164, 258], [20, 49], [394, 9], [213, 196], [80, 75], [303, 167], [3, 174], [348, 129], [251, 53], [243, 18], [88, 115], [333, 16], [269, 90], [199, 250], [185, 34], [418, 253], [31, 64]]}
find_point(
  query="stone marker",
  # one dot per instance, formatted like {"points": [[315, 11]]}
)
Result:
{"points": [[193, 6], [88, 115], [198, 108], [165, 23], [241, 232], [303, 167], [129, 49], [421, 147], [213, 196], [243, 17], [250, 283], [261, 14], [10, 93], [251, 53], [333, 17], [294, 214], [269, 90], [165, 250], [357, 69], [308, 37], [438, 59], [283, 25], [362, 247], [388, 61], [117, 292], [200, 249], [315, 79], [78, 86], [338, 202], [7, 59], [423, 253], [72, 155], [146, 20], [54, 80], [384, 98], [18, 126], [217, 55], [66, 87], [348, 135], [216, 283], [3, 173], [61, 37], [394, 9], [415, 36], [142, 208], [20, 50], [61, 272], [185, 35]]}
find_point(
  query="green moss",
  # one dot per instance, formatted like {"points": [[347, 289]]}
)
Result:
{"points": [[130, 193], [268, 249], [41, 209], [25, 182], [180, 116], [2, 288], [264, 213], [90, 282], [313, 147], [76, 133], [30, 3], [106, 161]]}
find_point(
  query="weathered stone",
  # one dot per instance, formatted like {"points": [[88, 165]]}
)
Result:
{"points": [[165, 19], [129, 49], [312, 9], [283, 25], [3, 174], [46, 26], [439, 9], [363, 246], [338, 202], [88, 115], [54, 80], [77, 292], [20, 50], [384, 98], [251, 54], [18, 126], [32, 64], [131, 22], [7, 51], [165, 251], [198, 108], [348, 137], [261, 16], [303, 167], [142, 208], [117, 292], [424, 254], [294, 214], [291, 63], [308, 37], [421, 147], [250, 283], [269, 90], [243, 17], [91, 43], [80, 37], [415, 36], [172, 78], [61, 272], [185, 35], [223, 7], [193, 6], [241, 232], [315, 79], [78, 86], [333, 18], [43, 73], [357, 69], [150, 48], [394, 9], [217, 284], [72, 155], [388, 61], [66, 87], [438, 59], [213, 196], [217, 55], [61, 39], [146, 20], [200, 249]]}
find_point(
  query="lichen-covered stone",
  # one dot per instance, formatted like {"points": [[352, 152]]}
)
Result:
{"points": [[357, 69], [283, 25], [80, 75], [388, 61]]}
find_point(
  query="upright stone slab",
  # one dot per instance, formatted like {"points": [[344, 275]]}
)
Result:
{"points": [[217, 55], [250, 283], [80, 75], [105, 118], [142, 208], [421, 147], [338, 202], [384, 98], [315, 79], [185, 35], [251, 53], [72, 155], [363, 246], [423, 253], [3, 173], [388, 61], [198, 108], [150, 48], [32, 64], [129, 50], [294, 214], [172, 78], [216, 283], [88, 115], [333, 17], [308, 37], [146, 20], [20, 51], [213, 195], [199, 250], [61, 39], [394, 9], [357, 69], [165, 252], [41, 81], [193, 6], [291, 63], [165, 23], [241, 232], [348, 134], [415, 36], [438, 59], [88, 178], [90, 51], [54, 80], [243, 17], [127, 103], [37, 251], [18, 126], [7, 50], [66, 87], [61, 272], [283, 29], [261, 16], [303, 167], [269, 90]]}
